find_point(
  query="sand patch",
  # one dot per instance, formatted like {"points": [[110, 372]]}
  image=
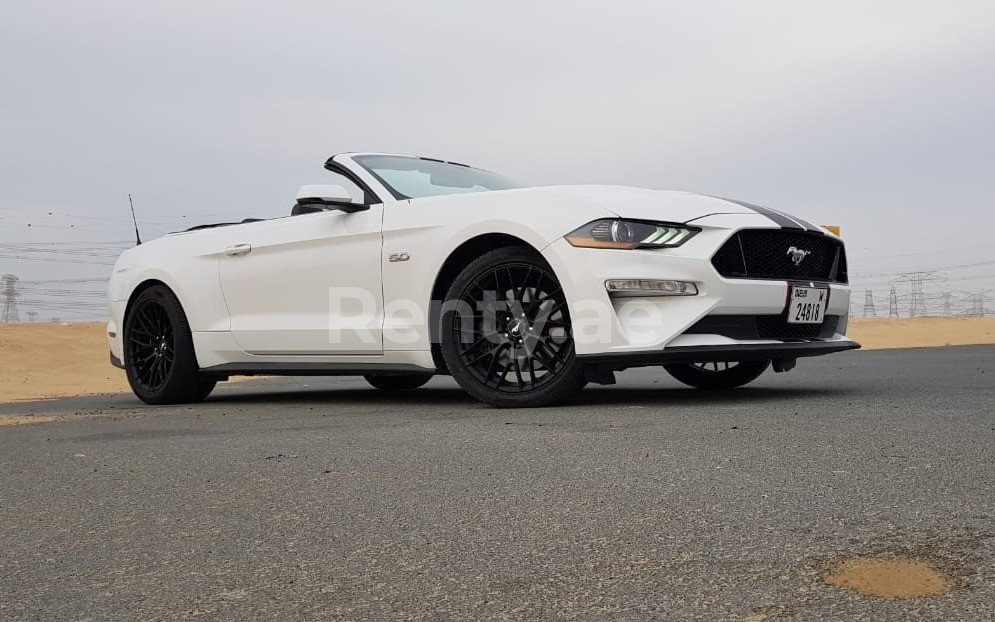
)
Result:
{"points": [[50, 360], [25, 419], [921, 332], [39, 361], [889, 576]]}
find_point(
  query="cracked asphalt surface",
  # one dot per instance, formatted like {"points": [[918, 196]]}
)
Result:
{"points": [[320, 498]]}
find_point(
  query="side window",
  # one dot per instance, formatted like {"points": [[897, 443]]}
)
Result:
{"points": [[338, 179]]}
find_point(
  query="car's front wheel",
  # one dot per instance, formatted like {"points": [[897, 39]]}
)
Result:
{"points": [[394, 384], [506, 333], [159, 357], [717, 374]]}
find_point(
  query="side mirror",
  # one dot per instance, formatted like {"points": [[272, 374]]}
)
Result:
{"points": [[328, 197]]}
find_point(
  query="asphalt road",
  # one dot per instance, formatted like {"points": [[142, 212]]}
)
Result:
{"points": [[309, 499]]}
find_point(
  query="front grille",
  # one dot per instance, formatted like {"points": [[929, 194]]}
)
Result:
{"points": [[777, 327], [765, 254], [747, 327]]}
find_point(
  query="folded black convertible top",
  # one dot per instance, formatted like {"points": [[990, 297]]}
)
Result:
{"points": [[223, 224]]}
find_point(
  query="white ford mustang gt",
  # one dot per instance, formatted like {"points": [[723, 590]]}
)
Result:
{"points": [[409, 267]]}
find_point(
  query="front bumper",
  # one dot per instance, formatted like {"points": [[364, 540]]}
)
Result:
{"points": [[727, 352], [115, 338], [656, 326]]}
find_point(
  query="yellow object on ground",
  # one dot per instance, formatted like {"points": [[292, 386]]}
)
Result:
{"points": [[889, 576]]}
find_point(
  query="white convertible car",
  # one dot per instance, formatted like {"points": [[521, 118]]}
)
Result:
{"points": [[409, 267]]}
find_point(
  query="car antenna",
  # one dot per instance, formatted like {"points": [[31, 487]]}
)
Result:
{"points": [[138, 238]]}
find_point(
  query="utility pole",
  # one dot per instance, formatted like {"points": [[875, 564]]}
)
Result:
{"points": [[893, 303], [869, 308], [8, 285]]}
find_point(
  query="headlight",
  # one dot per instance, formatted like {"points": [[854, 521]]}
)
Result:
{"points": [[613, 233]]}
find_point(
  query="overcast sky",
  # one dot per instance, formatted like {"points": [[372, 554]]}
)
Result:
{"points": [[874, 116]]}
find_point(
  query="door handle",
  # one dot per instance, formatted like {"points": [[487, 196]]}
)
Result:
{"points": [[238, 250]]}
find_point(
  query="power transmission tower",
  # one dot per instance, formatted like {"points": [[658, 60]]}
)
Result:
{"points": [[10, 296], [32, 315], [917, 284], [917, 303], [978, 301], [869, 308], [893, 303], [947, 307]]}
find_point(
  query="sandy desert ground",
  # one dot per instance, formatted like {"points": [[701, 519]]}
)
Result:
{"points": [[50, 360]]}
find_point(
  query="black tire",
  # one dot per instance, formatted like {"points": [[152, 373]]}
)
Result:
{"points": [[396, 384], [520, 328], [717, 374], [159, 357]]}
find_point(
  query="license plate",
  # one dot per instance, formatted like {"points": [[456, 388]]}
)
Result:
{"points": [[807, 305]]}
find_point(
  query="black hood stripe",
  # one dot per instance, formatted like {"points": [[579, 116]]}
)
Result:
{"points": [[798, 220], [784, 221]]}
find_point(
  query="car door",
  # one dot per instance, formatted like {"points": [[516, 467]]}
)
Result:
{"points": [[306, 285]]}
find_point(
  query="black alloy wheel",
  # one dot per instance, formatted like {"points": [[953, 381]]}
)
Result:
{"points": [[715, 366], [717, 374], [506, 333], [152, 345], [159, 355]]}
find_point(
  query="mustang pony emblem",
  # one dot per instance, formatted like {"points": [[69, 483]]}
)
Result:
{"points": [[798, 255]]}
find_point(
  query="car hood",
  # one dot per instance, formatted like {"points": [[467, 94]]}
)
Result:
{"points": [[643, 204]]}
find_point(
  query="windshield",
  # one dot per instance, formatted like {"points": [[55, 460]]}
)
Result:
{"points": [[412, 178]]}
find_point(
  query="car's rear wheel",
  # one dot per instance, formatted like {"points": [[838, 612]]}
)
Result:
{"points": [[717, 374], [393, 384], [506, 333], [158, 351]]}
